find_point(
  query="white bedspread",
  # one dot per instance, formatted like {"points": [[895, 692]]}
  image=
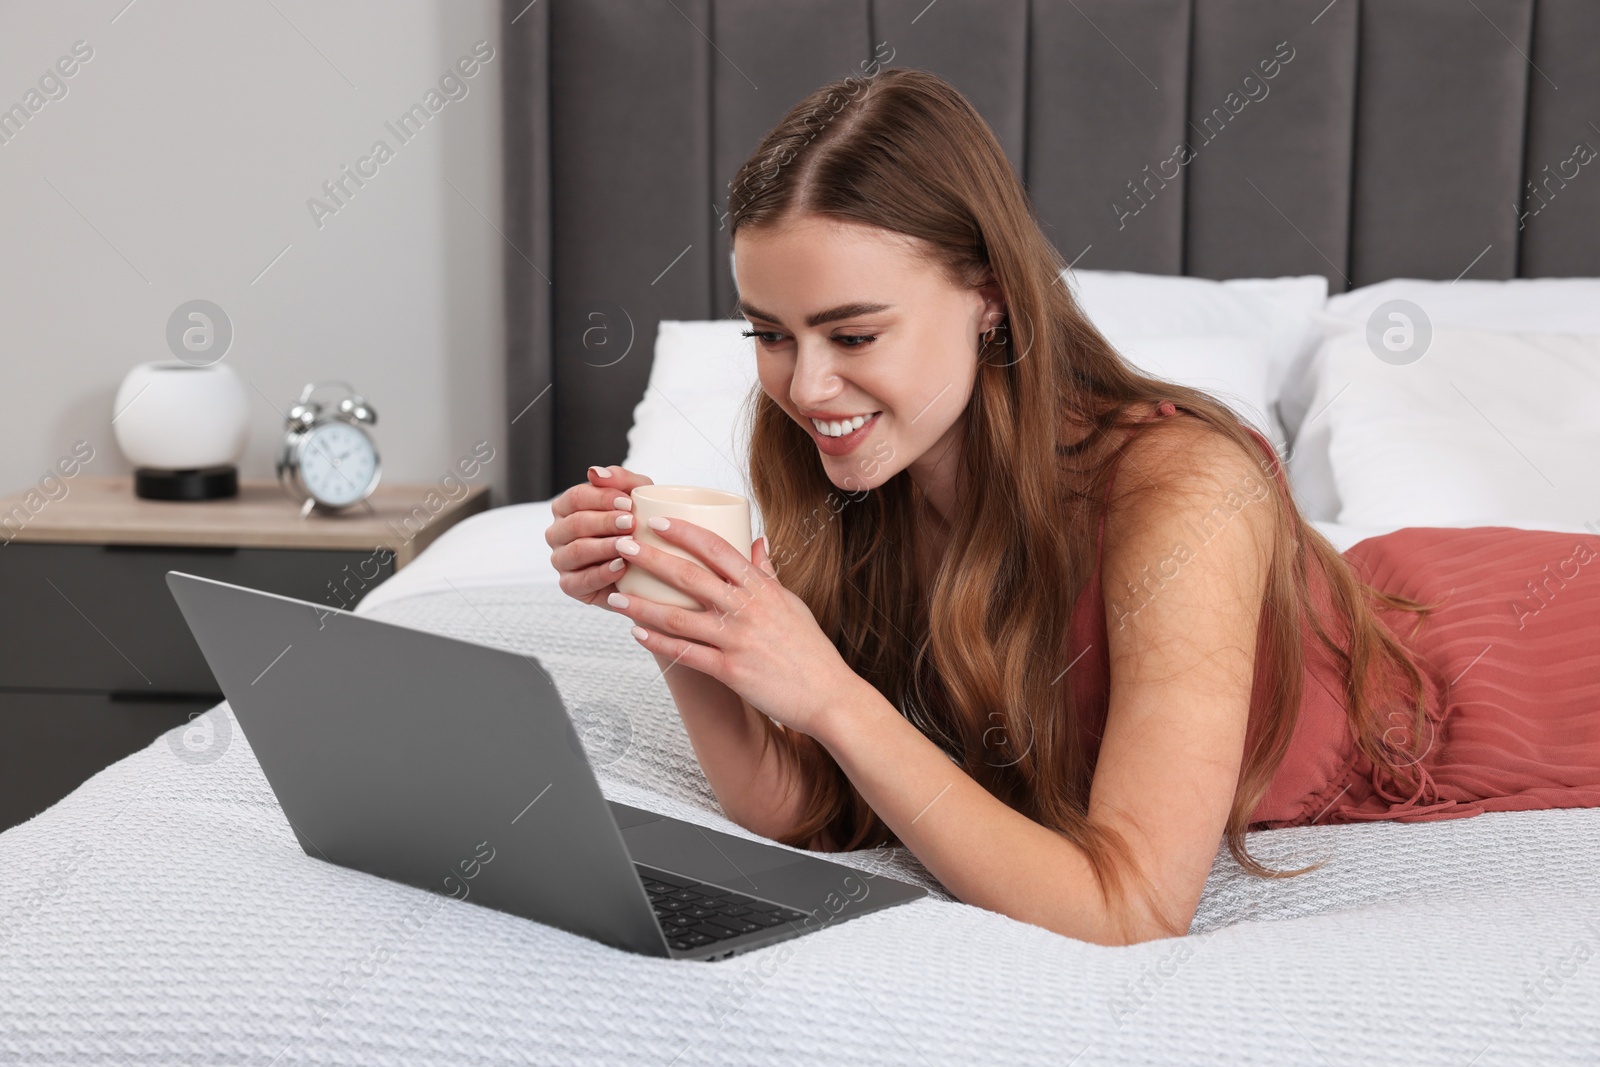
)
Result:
{"points": [[163, 914]]}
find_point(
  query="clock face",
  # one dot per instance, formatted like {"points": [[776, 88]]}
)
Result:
{"points": [[337, 464]]}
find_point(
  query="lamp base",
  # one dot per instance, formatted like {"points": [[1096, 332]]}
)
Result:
{"points": [[204, 483]]}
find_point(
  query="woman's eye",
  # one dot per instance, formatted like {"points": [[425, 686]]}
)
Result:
{"points": [[761, 338]]}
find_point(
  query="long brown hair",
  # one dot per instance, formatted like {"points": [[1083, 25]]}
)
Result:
{"points": [[971, 661]]}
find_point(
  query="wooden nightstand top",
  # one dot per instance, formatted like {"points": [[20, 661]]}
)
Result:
{"points": [[405, 519]]}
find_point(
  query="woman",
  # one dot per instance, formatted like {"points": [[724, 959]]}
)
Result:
{"points": [[1055, 626]]}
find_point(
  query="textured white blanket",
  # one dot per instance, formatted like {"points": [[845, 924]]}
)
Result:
{"points": [[163, 914]]}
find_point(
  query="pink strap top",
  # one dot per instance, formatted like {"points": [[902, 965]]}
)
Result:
{"points": [[1510, 667]]}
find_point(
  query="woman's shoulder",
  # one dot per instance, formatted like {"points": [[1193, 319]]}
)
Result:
{"points": [[1173, 453], [1180, 480]]}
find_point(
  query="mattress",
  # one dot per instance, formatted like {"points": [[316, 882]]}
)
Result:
{"points": [[164, 913]]}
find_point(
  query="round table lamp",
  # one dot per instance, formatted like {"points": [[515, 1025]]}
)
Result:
{"points": [[183, 427]]}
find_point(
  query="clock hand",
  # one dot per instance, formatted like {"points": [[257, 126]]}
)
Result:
{"points": [[335, 464]]}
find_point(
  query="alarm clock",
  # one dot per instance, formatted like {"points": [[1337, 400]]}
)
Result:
{"points": [[327, 459]]}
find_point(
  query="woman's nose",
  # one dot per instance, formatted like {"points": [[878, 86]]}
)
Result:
{"points": [[815, 382]]}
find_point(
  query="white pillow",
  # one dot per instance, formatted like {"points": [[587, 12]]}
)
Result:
{"points": [[689, 427], [1234, 368], [1529, 305], [1128, 307], [1484, 429], [1526, 305], [1228, 338]]}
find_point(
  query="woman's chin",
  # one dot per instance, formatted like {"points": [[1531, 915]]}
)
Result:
{"points": [[850, 479]]}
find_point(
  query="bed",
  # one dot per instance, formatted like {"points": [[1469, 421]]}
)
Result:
{"points": [[165, 913]]}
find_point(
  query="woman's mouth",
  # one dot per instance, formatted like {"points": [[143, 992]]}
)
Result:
{"points": [[846, 443]]}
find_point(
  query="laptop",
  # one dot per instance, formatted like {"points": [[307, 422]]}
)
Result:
{"points": [[455, 767]]}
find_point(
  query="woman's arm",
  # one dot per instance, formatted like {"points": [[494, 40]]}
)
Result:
{"points": [[759, 791], [1181, 671]]}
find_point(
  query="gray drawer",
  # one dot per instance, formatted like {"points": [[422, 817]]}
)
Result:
{"points": [[53, 742], [94, 617]]}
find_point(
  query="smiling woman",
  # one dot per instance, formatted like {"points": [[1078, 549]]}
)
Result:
{"points": [[895, 270], [895, 673]]}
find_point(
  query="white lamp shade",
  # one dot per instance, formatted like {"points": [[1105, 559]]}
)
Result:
{"points": [[172, 415]]}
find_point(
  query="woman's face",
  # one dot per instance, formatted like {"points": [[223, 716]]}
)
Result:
{"points": [[850, 321]]}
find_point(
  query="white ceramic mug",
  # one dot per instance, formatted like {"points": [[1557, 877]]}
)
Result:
{"points": [[724, 514]]}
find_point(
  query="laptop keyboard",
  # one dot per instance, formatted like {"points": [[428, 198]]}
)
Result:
{"points": [[692, 913]]}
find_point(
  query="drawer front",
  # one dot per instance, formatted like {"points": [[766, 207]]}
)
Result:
{"points": [[50, 743], [93, 617]]}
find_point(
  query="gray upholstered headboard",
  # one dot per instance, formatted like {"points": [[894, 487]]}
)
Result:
{"points": [[1394, 138]]}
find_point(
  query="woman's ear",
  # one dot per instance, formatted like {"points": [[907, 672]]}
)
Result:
{"points": [[994, 302]]}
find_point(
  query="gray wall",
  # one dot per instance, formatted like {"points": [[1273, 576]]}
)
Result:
{"points": [[188, 147]]}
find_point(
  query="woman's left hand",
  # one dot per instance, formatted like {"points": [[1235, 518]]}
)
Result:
{"points": [[755, 637]]}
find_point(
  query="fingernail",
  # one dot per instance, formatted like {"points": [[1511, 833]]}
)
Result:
{"points": [[618, 564], [657, 523], [623, 503], [628, 545], [617, 600], [601, 471], [625, 522]]}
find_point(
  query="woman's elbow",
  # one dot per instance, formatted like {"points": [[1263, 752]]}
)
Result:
{"points": [[1123, 925]]}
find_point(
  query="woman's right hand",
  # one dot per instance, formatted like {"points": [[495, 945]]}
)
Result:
{"points": [[583, 539]]}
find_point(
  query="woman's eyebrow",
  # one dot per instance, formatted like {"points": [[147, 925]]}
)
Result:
{"points": [[843, 311]]}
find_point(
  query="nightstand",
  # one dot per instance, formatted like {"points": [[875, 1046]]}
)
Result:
{"points": [[95, 658]]}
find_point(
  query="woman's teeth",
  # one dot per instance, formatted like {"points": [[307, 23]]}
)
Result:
{"points": [[839, 429]]}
